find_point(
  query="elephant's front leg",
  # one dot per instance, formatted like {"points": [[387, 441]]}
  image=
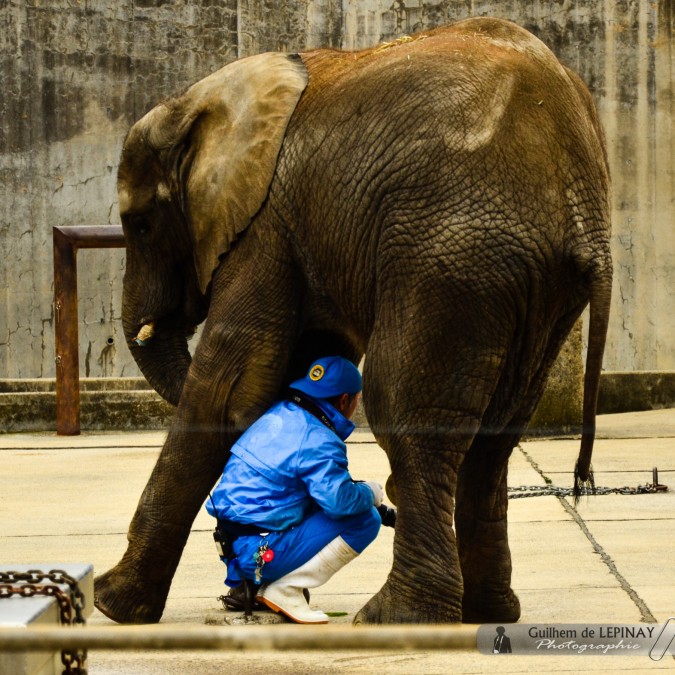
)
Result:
{"points": [[135, 590], [482, 532], [236, 372]]}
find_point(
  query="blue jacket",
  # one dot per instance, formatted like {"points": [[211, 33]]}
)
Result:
{"points": [[286, 464]]}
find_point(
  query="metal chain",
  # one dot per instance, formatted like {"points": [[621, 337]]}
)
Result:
{"points": [[547, 490], [30, 590], [74, 661], [56, 577]]}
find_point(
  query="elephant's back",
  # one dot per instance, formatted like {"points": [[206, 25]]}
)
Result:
{"points": [[472, 133], [465, 83], [484, 96]]}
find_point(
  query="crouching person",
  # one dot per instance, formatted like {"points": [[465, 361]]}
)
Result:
{"points": [[290, 513]]}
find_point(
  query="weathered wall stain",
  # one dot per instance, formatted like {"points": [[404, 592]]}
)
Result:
{"points": [[74, 76]]}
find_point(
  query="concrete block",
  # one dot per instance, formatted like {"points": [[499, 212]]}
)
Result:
{"points": [[559, 410], [40, 610], [105, 404], [129, 404], [635, 391]]}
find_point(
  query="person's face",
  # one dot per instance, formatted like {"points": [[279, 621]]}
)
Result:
{"points": [[352, 405], [347, 404]]}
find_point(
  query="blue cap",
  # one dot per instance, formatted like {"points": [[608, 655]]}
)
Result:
{"points": [[328, 377]]}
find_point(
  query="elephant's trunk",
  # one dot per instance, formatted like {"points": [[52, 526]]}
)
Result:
{"points": [[164, 359], [601, 294]]}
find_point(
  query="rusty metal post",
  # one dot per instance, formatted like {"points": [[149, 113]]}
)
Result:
{"points": [[66, 334], [67, 241]]}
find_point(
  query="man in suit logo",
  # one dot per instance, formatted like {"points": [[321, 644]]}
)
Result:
{"points": [[502, 644]]}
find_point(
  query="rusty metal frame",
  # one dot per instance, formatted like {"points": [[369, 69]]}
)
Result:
{"points": [[67, 242]]}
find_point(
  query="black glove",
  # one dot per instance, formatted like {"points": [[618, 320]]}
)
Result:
{"points": [[387, 514]]}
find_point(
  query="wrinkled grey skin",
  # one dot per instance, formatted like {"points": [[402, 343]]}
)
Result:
{"points": [[440, 206]]}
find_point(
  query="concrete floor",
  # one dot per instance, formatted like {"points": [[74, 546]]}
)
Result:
{"points": [[611, 560]]}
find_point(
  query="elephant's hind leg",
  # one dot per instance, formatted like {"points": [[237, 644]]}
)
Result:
{"points": [[425, 583], [482, 533], [425, 397], [482, 498]]}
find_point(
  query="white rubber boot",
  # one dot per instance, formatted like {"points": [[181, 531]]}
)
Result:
{"points": [[285, 595]]}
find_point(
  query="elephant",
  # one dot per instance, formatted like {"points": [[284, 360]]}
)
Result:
{"points": [[438, 205]]}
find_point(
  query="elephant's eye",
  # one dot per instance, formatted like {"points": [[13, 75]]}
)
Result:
{"points": [[140, 223]]}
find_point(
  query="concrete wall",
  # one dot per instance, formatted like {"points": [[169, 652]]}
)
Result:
{"points": [[74, 76]]}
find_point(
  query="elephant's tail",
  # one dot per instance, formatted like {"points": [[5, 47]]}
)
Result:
{"points": [[601, 292]]}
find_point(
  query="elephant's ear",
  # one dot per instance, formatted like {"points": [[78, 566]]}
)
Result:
{"points": [[239, 114]]}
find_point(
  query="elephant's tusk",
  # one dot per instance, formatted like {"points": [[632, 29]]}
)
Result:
{"points": [[145, 334]]}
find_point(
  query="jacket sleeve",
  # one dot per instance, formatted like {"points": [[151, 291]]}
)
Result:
{"points": [[322, 467]]}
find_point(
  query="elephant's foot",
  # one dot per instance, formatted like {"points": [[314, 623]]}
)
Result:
{"points": [[123, 595], [490, 607], [388, 606]]}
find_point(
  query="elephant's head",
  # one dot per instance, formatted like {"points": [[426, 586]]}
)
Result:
{"points": [[194, 172]]}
